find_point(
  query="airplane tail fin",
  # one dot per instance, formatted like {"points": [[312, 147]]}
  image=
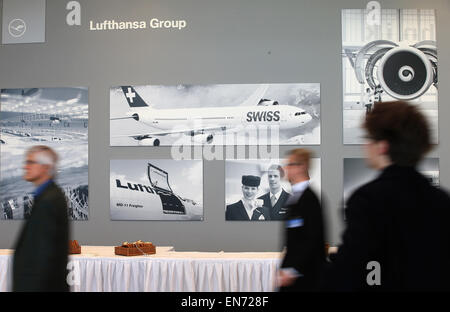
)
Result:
{"points": [[256, 97], [133, 98]]}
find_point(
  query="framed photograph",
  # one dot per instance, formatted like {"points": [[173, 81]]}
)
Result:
{"points": [[357, 173], [261, 183], [58, 118], [156, 189], [388, 55], [223, 114]]}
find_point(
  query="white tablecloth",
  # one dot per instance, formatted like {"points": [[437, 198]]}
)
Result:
{"points": [[5, 272], [98, 269]]}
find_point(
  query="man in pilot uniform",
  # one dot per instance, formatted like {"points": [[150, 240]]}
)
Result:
{"points": [[277, 196], [248, 208]]}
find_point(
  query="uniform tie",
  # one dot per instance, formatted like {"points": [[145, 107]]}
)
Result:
{"points": [[273, 200]]}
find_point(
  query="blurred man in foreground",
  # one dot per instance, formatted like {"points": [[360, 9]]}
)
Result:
{"points": [[304, 230], [40, 257], [397, 235]]}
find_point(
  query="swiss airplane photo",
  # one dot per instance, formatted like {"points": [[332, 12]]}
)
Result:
{"points": [[212, 114]]}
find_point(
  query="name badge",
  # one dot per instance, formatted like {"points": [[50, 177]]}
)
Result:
{"points": [[294, 223]]}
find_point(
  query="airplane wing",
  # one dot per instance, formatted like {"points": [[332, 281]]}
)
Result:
{"points": [[254, 99], [190, 131], [120, 118]]}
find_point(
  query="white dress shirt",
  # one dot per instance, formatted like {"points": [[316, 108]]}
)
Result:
{"points": [[300, 187]]}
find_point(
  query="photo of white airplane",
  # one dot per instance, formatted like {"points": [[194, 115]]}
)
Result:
{"points": [[202, 124], [150, 196]]}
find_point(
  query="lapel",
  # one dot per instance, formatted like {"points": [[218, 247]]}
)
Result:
{"points": [[295, 207], [281, 200], [242, 212], [266, 199]]}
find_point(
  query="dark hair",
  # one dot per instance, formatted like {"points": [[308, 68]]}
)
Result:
{"points": [[403, 127]]}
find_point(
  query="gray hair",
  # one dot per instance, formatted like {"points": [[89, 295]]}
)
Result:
{"points": [[45, 156]]}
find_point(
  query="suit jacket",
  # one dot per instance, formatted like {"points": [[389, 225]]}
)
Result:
{"points": [[400, 221], [237, 211], [41, 252], [277, 212], [304, 241]]}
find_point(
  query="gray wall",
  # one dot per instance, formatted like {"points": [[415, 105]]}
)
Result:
{"points": [[236, 41]]}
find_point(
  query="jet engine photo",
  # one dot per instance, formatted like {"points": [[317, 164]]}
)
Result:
{"points": [[401, 71]]}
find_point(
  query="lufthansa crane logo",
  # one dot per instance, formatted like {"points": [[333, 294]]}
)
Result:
{"points": [[17, 27]]}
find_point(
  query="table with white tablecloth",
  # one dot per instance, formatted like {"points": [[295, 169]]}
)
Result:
{"points": [[99, 269]]}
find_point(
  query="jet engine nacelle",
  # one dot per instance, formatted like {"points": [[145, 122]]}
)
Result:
{"points": [[149, 142], [405, 73], [140, 115], [266, 102], [203, 138]]}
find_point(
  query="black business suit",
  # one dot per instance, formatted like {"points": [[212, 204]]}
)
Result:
{"points": [[237, 211], [400, 221], [277, 212], [41, 252], [304, 240]]}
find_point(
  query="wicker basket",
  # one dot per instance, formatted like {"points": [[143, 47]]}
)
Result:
{"points": [[74, 247], [135, 250]]}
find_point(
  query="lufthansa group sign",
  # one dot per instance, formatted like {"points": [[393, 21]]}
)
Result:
{"points": [[73, 18], [125, 25]]}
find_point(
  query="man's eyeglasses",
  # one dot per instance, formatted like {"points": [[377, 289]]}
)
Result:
{"points": [[292, 164], [30, 162]]}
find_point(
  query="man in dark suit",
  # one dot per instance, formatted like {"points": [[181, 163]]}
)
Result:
{"points": [[248, 208], [304, 233], [277, 196], [397, 234], [41, 252]]}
